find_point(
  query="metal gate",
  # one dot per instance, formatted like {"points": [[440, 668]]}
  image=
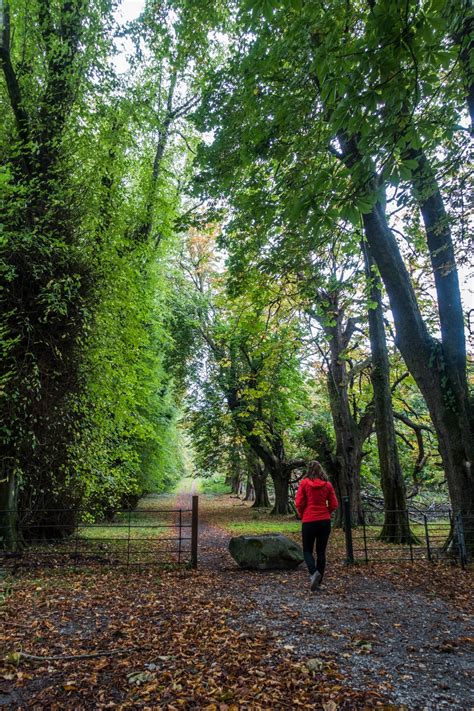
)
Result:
{"points": [[435, 536], [71, 538]]}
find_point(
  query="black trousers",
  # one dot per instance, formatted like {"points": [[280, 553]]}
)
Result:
{"points": [[315, 532]]}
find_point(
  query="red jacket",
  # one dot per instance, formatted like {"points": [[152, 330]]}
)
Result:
{"points": [[315, 500]]}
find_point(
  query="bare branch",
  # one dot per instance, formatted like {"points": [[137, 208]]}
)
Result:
{"points": [[358, 368], [422, 458], [409, 423], [184, 108]]}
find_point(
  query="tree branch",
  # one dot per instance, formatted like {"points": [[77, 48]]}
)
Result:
{"points": [[349, 330], [399, 380], [422, 458], [181, 135], [410, 423], [184, 108], [358, 368]]}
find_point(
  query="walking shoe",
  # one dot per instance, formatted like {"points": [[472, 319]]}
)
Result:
{"points": [[315, 580]]}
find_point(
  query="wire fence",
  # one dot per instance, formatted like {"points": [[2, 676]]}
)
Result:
{"points": [[71, 538], [59, 538], [407, 536]]}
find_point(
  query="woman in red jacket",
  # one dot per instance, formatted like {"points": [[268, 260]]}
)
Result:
{"points": [[315, 501]]}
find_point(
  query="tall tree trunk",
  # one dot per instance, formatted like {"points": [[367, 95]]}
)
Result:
{"points": [[8, 509], [234, 473], [425, 359], [259, 479], [143, 231], [350, 434], [396, 527], [348, 455], [443, 263], [249, 491], [451, 317], [463, 37], [281, 483], [258, 475], [233, 481], [425, 356], [448, 396]]}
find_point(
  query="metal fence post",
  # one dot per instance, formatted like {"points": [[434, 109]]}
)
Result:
{"points": [[76, 547], [128, 537], [348, 529], [365, 538], [194, 532], [459, 529], [410, 540], [180, 533], [427, 536]]}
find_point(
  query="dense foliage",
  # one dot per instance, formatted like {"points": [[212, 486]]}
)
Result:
{"points": [[89, 412], [243, 251]]}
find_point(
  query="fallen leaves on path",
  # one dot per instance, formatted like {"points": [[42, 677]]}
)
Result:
{"points": [[188, 655]]}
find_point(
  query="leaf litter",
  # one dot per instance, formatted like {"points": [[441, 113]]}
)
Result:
{"points": [[223, 639]]}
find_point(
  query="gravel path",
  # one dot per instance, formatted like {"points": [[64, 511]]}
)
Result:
{"points": [[418, 650]]}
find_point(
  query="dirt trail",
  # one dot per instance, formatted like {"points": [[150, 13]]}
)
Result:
{"points": [[416, 649]]}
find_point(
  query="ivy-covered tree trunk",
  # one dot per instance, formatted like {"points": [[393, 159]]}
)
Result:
{"points": [[49, 285], [348, 460], [8, 508], [396, 528], [348, 454]]}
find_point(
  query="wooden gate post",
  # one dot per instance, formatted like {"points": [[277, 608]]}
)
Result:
{"points": [[194, 532]]}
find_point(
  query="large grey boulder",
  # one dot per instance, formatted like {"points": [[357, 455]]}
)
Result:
{"points": [[271, 551]]}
